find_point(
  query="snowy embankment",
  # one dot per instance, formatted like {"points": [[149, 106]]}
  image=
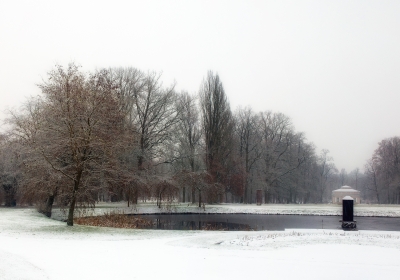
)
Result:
{"points": [[35, 247], [360, 210]]}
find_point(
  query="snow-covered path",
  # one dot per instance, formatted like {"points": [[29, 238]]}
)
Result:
{"points": [[34, 247]]}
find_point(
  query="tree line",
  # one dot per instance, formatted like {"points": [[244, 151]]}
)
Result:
{"points": [[382, 172], [121, 134]]}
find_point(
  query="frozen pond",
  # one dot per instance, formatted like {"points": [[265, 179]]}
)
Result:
{"points": [[264, 222]]}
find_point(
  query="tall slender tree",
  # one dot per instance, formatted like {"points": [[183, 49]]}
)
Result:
{"points": [[217, 125]]}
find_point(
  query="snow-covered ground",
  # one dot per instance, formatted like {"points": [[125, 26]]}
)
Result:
{"points": [[34, 247], [360, 210]]}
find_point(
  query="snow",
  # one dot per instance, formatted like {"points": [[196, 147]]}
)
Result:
{"points": [[34, 247], [360, 210], [347, 198], [346, 190]]}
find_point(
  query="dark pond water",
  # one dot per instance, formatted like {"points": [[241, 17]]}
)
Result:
{"points": [[264, 222]]}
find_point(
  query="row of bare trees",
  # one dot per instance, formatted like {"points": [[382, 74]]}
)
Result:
{"points": [[279, 161], [379, 182], [382, 172], [120, 134]]}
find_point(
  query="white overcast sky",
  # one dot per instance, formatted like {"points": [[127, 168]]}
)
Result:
{"points": [[332, 66]]}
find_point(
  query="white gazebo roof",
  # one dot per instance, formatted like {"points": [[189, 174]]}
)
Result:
{"points": [[346, 189]]}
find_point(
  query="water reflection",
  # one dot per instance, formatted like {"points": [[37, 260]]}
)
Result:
{"points": [[263, 222], [165, 223]]}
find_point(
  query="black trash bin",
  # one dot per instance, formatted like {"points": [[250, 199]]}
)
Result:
{"points": [[348, 213]]}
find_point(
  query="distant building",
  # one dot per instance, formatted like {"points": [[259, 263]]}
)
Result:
{"points": [[339, 194]]}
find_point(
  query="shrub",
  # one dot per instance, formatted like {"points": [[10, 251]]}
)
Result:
{"points": [[115, 220]]}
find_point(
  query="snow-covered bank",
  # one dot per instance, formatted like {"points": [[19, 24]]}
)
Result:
{"points": [[360, 210], [34, 247]]}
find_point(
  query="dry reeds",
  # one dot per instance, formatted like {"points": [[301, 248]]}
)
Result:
{"points": [[115, 220]]}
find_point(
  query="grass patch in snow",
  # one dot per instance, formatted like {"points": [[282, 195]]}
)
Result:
{"points": [[114, 219]]}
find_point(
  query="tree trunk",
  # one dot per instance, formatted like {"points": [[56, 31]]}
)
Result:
{"points": [[140, 162], [135, 196], [9, 196], [183, 194], [159, 200], [70, 220], [200, 199], [49, 205], [244, 197], [193, 195]]}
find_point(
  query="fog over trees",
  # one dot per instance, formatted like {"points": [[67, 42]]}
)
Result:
{"points": [[121, 134], [382, 172]]}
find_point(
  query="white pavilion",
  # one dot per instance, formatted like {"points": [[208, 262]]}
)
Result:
{"points": [[339, 194]]}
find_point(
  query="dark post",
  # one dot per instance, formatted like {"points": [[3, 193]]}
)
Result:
{"points": [[348, 213], [259, 197]]}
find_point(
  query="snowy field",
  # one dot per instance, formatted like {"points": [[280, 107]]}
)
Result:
{"points": [[34, 247], [360, 210]]}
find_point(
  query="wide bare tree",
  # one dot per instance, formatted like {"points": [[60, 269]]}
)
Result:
{"points": [[10, 171], [278, 140], [154, 117], [291, 185], [78, 129], [387, 160], [249, 137], [130, 83]]}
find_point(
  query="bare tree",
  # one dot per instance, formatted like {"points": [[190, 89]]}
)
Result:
{"points": [[188, 136], [325, 169], [279, 144], [356, 173], [371, 171], [343, 177], [217, 126], [130, 83], [387, 161], [247, 128], [306, 176], [200, 181], [299, 153], [155, 116], [149, 110], [10, 173], [79, 129], [164, 189]]}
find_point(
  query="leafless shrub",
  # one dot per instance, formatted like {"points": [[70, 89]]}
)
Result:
{"points": [[115, 220], [164, 190]]}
